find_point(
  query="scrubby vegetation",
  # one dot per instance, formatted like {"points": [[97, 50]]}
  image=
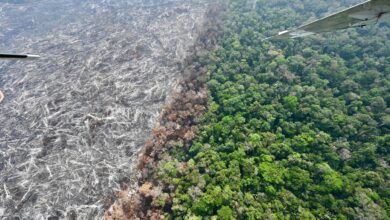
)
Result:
{"points": [[295, 129]]}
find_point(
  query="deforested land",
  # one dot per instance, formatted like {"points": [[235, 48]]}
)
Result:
{"points": [[74, 122]]}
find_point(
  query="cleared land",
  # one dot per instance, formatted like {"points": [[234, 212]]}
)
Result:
{"points": [[73, 123]]}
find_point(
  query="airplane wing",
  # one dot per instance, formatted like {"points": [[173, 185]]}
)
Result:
{"points": [[18, 56], [357, 16]]}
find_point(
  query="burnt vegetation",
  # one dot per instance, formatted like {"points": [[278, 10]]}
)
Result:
{"points": [[178, 127]]}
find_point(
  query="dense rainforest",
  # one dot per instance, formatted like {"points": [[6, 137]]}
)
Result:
{"points": [[294, 129]]}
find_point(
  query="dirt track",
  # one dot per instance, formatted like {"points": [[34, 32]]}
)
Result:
{"points": [[74, 122]]}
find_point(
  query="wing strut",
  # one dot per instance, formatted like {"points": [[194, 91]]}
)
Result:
{"points": [[18, 56]]}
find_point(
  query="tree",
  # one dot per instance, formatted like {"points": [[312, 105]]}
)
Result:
{"points": [[225, 213]]}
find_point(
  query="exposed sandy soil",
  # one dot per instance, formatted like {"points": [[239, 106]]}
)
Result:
{"points": [[73, 123]]}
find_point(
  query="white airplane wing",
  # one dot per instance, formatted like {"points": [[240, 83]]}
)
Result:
{"points": [[357, 16]]}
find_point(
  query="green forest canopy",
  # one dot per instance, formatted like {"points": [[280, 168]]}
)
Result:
{"points": [[295, 129]]}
